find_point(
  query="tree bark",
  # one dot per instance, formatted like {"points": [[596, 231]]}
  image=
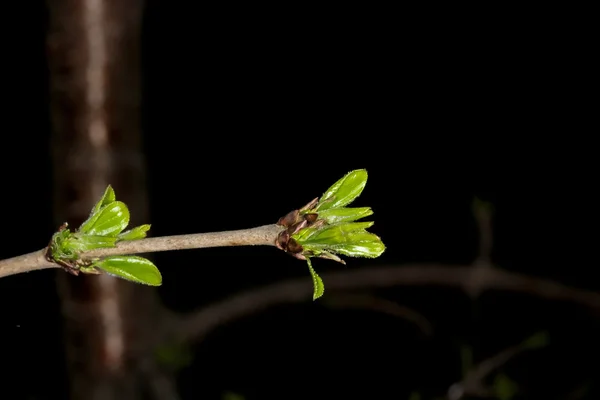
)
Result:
{"points": [[94, 59]]}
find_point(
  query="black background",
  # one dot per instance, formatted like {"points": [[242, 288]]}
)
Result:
{"points": [[248, 114]]}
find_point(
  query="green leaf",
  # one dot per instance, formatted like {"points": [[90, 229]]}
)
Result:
{"points": [[335, 234], [132, 268], [139, 232], [59, 245], [107, 198], [80, 243], [353, 244], [345, 214], [344, 191], [319, 288], [109, 221], [372, 248]]}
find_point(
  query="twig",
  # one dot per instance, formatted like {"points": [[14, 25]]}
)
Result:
{"points": [[200, 323], [262, 235], [25, 263], [473, 382], [378, 304]]}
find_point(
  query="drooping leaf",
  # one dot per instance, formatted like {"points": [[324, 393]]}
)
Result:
{"points": [[139, 232], [344, 214], [107, 198], [132, 268], [344, 191], [319, 288], [110, 220]]}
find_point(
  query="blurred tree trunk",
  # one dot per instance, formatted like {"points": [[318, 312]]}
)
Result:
{"points": [[94, 59]]}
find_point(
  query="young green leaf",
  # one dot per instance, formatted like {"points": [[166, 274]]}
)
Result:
{"points": [[360, 244], [344, 214], [132, 268], [344, 191], [336, 234], [319, 288], [79, 242], [59, 245], [109, 221], [139, 232], [107, 198]]}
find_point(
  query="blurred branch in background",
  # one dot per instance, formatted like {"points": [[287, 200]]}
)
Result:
{"points": [[359, 301], [200, 323], [473, 383]]}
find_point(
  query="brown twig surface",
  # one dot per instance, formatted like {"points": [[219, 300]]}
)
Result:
{"points": [[25, 263], [262, 235]]}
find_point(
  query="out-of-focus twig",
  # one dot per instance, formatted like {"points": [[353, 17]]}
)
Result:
{"points": [[200, 323], [381, 305], [473, 384]]}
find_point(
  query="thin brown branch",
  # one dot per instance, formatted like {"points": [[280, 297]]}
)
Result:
{"points": [[262, 235], [200, 323], [25, 263]]}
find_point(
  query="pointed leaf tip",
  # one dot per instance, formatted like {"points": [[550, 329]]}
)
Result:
{"points": [[139, 232], [109, 221], [344, 191]]}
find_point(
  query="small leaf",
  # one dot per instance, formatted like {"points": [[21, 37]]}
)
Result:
{"points": [[79, 242], [335, 234], [319, 288], [344, 191], [345, 214], [59, 247], [110, 221], [132, 268], [353, 244], [139, 232], [360, 244], [107, 198]]}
